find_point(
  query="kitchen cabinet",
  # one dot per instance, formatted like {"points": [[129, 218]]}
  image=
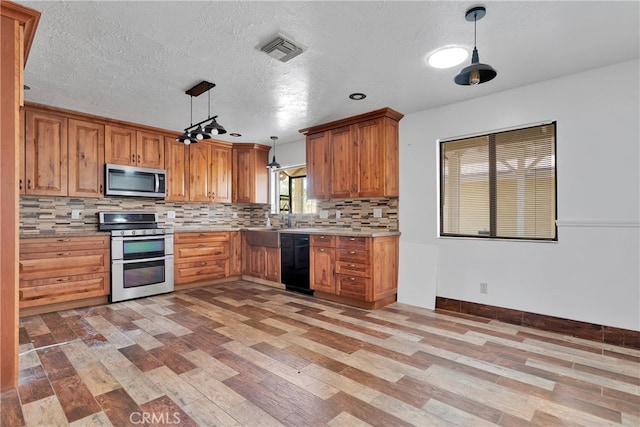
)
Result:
{"points": [[210, 172], [201, 258], [128, 146], [55, 270], [86, 159], [321, 263], [235, 248], [250, 173], [362, 153], [318, 170], [177, 167], [46, 151], [261, 262], [361, 271]]}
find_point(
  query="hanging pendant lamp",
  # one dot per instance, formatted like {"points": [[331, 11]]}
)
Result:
{"points": [[200, 131], [274, 164], [476, 73]]}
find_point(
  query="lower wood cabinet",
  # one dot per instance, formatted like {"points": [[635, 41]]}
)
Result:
{"points": [[261, 262], [202, 257], [54, 270], [361, 271]]}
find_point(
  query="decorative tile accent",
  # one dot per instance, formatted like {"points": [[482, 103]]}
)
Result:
{"points": [[48, 216]]}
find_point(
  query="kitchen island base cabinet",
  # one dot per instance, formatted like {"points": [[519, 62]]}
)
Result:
{"points": [[359, 271]]}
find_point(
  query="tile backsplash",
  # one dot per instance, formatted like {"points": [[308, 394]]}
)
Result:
{"points": [[46, 216]]}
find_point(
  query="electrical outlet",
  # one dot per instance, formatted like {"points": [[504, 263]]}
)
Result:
{"points": [[171, 214], [324, 214], [266, 214], [234, 215], [377, 213], [75, 214], [484, 288], [337, 214]]}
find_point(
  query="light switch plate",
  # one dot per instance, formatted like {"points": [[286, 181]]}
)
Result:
{"points": [[75, 214], [234, 214], [377, 213], [337, 214], [324, 214], [171, 214]]}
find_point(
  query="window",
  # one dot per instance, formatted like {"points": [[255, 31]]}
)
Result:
{"points": [[290, 191], [500, 185]]}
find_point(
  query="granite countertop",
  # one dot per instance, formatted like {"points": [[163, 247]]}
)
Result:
{"points": [[204, 229]]}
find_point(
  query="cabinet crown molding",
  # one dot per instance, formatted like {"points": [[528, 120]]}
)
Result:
{"points": [[383, 112]]}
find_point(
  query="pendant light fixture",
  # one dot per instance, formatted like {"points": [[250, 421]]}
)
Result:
{"points": [[476, 73], [274, 164], [197, 132]]}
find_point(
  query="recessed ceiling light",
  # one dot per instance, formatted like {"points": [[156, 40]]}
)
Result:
{"points": [[235, 135], [447, 57], [357, 96]]}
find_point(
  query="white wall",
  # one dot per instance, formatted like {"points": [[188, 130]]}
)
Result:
{"points": [[592, 273]]}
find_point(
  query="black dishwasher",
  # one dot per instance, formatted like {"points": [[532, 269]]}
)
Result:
{"points": [[294, 264]]}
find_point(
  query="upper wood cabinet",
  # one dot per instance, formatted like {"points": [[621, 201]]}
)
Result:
{"points": [[127, 146], [45, 154], [250, 173], [359, 155], [177, 165], [210, 172], [86, 158], [318, 167]]}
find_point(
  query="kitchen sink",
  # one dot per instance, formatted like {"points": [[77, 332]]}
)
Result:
{"points": [[263, 237]]}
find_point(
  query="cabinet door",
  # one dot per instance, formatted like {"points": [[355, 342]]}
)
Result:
{"points": [[177, 166], [150, 150], [199, 171], [342, 163], [257, 260], [120, 146], [318, 172], [45, 154], [220, 173], [272, 271], [235, 253], [242, 175], [21, 179], [86, 159], [321, 272], [371, 158]]}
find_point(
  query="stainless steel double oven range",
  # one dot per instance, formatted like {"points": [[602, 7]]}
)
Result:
{"points": [[141, 254]]}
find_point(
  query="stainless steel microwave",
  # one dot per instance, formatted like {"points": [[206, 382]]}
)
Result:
{"points": [[134, 181]]}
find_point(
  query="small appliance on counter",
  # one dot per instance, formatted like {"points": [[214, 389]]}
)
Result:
{"points": [[141, 254]]}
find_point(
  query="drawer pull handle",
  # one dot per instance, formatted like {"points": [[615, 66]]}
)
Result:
{"points": [[352, 238], [203, 263], [202, 245], [63, 253], [61, 279], [321, 249], [29, 184], [352, 278], [203, 234], [352, 265], [64, 240], [133, 158], [352, 252], [320, 237]]}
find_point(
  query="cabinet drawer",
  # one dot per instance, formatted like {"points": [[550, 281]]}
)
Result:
{"points": [[63, 263], [322, 240], [209, 236], [49, 244], [201, 270], [63, 288], [200, 251], [353, 255], [351, 242], [353, 286], [353, 268]]}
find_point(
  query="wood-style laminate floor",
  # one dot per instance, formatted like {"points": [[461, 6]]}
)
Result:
{"points": [[242, 354]]}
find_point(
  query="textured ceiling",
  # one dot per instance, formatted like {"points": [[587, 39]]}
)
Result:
{"points": [[134, 60]]}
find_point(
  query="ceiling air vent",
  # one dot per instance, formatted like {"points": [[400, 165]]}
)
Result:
{"points": [[281, 48]]}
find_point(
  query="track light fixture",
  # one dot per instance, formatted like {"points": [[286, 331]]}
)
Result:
{"points": [[274, 164], [476, 73], [197, 132]]}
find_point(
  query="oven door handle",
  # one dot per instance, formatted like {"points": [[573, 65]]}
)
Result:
{"points": [[141, 260]]}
